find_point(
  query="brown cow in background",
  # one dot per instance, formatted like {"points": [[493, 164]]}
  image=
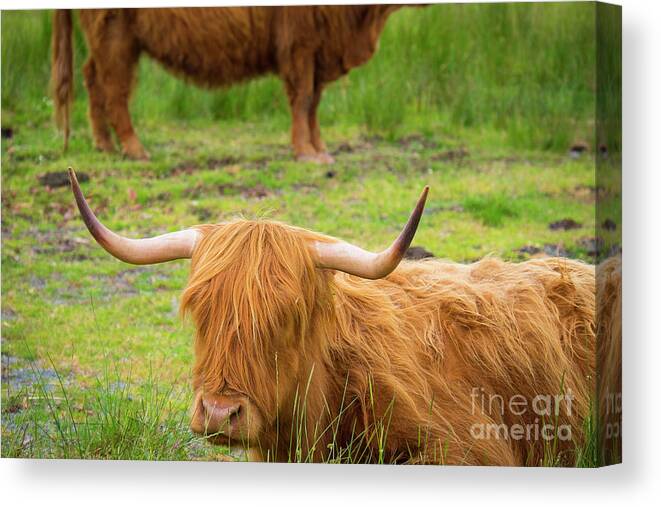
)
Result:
{"points": [[307, 46]]}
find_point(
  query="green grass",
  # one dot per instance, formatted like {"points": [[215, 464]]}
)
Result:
{"points": [[115, 417], [484, 112]]}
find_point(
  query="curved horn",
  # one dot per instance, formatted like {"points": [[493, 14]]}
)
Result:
{"points": [[356, 261], [167, 247]]}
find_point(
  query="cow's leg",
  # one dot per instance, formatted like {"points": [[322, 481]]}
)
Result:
{"points": [[299, 84], [315, 133], [116, 70], [97, 113]]}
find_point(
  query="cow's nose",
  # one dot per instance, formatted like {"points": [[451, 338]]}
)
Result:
{"points": [[220, 415]]}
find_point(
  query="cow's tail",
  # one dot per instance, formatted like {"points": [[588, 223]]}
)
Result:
{"points": [[609, 358], [62, 70]]}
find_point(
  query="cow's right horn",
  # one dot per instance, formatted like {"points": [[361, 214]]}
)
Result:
{"points": [[354, 260], [167, 247]]}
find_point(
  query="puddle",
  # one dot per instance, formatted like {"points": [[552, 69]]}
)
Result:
{"points": [[21, 375]]}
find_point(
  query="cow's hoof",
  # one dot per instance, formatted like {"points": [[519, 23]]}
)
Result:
{"points": [[316, 158], [104, 146], [143, 156], [133, 149], [140, 154], [325, 158], [312, 158]]}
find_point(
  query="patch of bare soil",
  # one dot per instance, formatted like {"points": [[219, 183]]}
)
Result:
{"points": [[455, 208], [592, 245], [415, 253], [614, 250], [363, 143], [258, 191], [186, 167], [548, 250], [586, 193], [64, 240], [305, 188], [370, 140], [578, 149], [202, 214], [119, 284], [193, 192], [61, 213], [609, 225], [343, 148], [565, 224], [58, 179], [451, 155], [61, 245], [44, 155], [528, 250], [218, 163], [111, 286], [416, 141], [556, 250], [7, 313]]}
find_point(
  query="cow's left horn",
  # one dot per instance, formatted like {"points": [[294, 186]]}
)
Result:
{"points": [[167, 247], [356, 261]]}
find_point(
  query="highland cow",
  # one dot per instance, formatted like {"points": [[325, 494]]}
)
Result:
{"points": [[308, 348], [307, 47]]}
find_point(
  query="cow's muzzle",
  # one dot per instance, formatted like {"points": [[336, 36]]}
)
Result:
{"points": [[224, 419]]}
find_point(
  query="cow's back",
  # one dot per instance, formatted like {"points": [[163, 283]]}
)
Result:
{"points": [[209, 46], [513, 332], [491, 332]]}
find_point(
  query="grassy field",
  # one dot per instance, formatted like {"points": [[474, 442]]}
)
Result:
{"points": [[95, 360]]}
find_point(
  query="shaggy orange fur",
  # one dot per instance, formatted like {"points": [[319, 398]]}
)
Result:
{"points": [[609, 359], [402, 369], [307, 47]]}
